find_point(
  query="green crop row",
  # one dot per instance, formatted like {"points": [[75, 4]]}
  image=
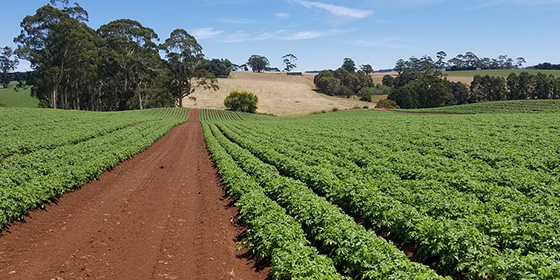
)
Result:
{"points": [[28, 181], [476, 195], [358, 252], [273, 235], [23, 131], [457, 243]]}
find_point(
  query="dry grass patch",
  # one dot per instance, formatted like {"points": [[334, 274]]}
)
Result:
{"points": [[278, 93]]}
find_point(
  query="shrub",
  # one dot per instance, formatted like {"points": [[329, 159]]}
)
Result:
{"points": [[241, 101], [388, 104]]}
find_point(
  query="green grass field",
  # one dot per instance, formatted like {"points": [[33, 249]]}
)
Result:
{"points": [[499, 73], [9, 97], [497, 107]]}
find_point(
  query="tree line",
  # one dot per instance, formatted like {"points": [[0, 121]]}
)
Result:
{"points": [[470, 61], [421, 84], [116, 67], [347, 81]]}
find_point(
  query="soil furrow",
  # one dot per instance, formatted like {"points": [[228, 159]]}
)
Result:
{"points": [[160, 215]]}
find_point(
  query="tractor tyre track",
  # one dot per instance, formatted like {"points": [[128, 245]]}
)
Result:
{"points": [[160, 215]]}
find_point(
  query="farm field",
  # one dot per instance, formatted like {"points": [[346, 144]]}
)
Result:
{"points": [[461, 196], [9, 97], [279, 94], [496, 107], [467, 76], [159, 215], [360, 194]]}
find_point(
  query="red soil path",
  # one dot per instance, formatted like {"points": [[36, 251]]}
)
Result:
{"points": [[160, 215]]}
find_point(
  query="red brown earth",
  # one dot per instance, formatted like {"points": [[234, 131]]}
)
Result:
{"points": [[159, 215]]}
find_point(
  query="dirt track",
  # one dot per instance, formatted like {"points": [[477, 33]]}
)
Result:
{"points": [[160, 215]]}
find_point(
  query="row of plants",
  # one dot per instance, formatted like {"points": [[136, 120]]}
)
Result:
{"points": [[26, 130], [31, 180], [357, 252], [502, 227], [217, 115], [273, 235]]}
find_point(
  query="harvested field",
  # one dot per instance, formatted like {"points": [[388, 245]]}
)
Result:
{"points": [[278, 93]]}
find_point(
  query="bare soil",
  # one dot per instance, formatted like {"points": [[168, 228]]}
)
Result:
{"points": [[159, 215]]}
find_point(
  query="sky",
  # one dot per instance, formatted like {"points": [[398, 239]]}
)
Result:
{"points": [[321, 33]]}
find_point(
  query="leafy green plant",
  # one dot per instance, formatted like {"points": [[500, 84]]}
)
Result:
{"points": [[241, 101]]}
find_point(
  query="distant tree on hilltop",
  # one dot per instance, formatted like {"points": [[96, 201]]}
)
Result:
{"points": [[258, 63]]}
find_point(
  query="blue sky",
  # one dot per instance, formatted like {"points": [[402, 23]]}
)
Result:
{"points": [[322, 33]]}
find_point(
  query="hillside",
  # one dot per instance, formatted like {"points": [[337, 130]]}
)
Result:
{"points": [[9, 97], [278, 93]]}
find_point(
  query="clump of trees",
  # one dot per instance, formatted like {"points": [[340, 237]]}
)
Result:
{"points": [[241, 101], [116, 67], [422, 84], [515, 87], [470, 61], [258, 63], [345, 81], [8, 63], [546, 66], [221, 68]]}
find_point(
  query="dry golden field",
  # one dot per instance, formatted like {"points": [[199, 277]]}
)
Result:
{"points": [[278, 93]]}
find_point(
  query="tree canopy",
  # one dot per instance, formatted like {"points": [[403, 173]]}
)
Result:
{"points": [[290, 61], [116, 67], [241, 101], [7, 63], [258, 63]]}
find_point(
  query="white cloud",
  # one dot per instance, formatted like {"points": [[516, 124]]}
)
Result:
{"points": [[304, 35], [282, 15], [279, 35], [205, 33], [340, 11]]}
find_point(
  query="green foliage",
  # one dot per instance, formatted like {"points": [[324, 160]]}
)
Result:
{"points": [[359, 253], [290, 61], [367, 93], [48, 152], [504, 73], [258, 63], [500, 224], [185, 62], [349, 65], [7, 63], [21, 97], [388, 104], [273, 235], [421, 85], [366, 68], [206, 115], [241, 101], [342, 82], [221, 68], [388, 80], [499, 107]]}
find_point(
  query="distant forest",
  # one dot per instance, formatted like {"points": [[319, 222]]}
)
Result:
{"points": [[116, 67]]}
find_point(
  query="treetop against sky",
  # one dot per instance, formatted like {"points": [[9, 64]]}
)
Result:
{"points": [[322, 33]]}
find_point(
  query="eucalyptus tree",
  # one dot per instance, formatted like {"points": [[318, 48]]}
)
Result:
{"points": [[129, 63], [185, 61], [367, 68], [258, 63], [290, 61], [349, 65], [7, 63], [61, 49]]}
